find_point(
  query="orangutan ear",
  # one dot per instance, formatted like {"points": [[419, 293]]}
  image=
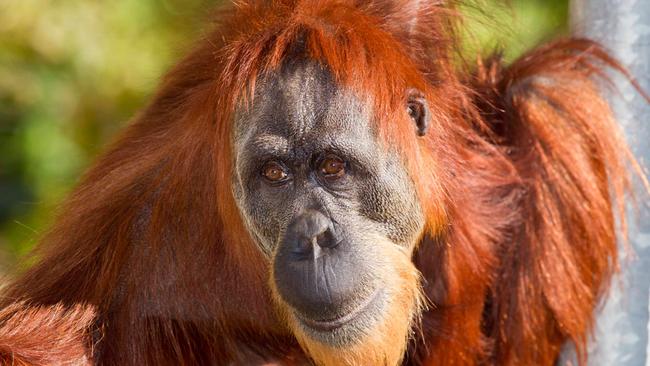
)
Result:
{"points": [[418, 110]]}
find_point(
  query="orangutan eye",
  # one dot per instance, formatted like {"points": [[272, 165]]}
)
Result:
{"points": [[332, 167], [274, 172]]}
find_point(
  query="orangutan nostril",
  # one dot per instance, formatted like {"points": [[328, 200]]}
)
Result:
{"points": [[327, 239]]}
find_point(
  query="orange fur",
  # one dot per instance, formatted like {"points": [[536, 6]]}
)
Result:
{"points": [[53, 335]]}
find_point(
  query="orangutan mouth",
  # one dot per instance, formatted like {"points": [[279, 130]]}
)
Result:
{"points": [[332, 324]]}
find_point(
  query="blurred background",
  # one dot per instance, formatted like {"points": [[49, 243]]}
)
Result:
{"points": [[73, 72]]}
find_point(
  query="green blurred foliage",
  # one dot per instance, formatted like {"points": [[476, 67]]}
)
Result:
{"points": [[72, 72], [512, 26]]}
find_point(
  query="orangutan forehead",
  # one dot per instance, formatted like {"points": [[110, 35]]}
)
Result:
{"points": [[301, 103]]}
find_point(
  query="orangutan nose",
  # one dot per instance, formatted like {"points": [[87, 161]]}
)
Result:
{"points": [[309, 233]]}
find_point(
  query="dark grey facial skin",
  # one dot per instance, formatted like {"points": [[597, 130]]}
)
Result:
{"points": [[318, 231]]}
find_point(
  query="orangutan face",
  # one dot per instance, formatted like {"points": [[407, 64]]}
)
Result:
{"points": [[335, 211]]}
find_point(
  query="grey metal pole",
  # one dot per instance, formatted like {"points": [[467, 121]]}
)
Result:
{"points": [[623, 26]]}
